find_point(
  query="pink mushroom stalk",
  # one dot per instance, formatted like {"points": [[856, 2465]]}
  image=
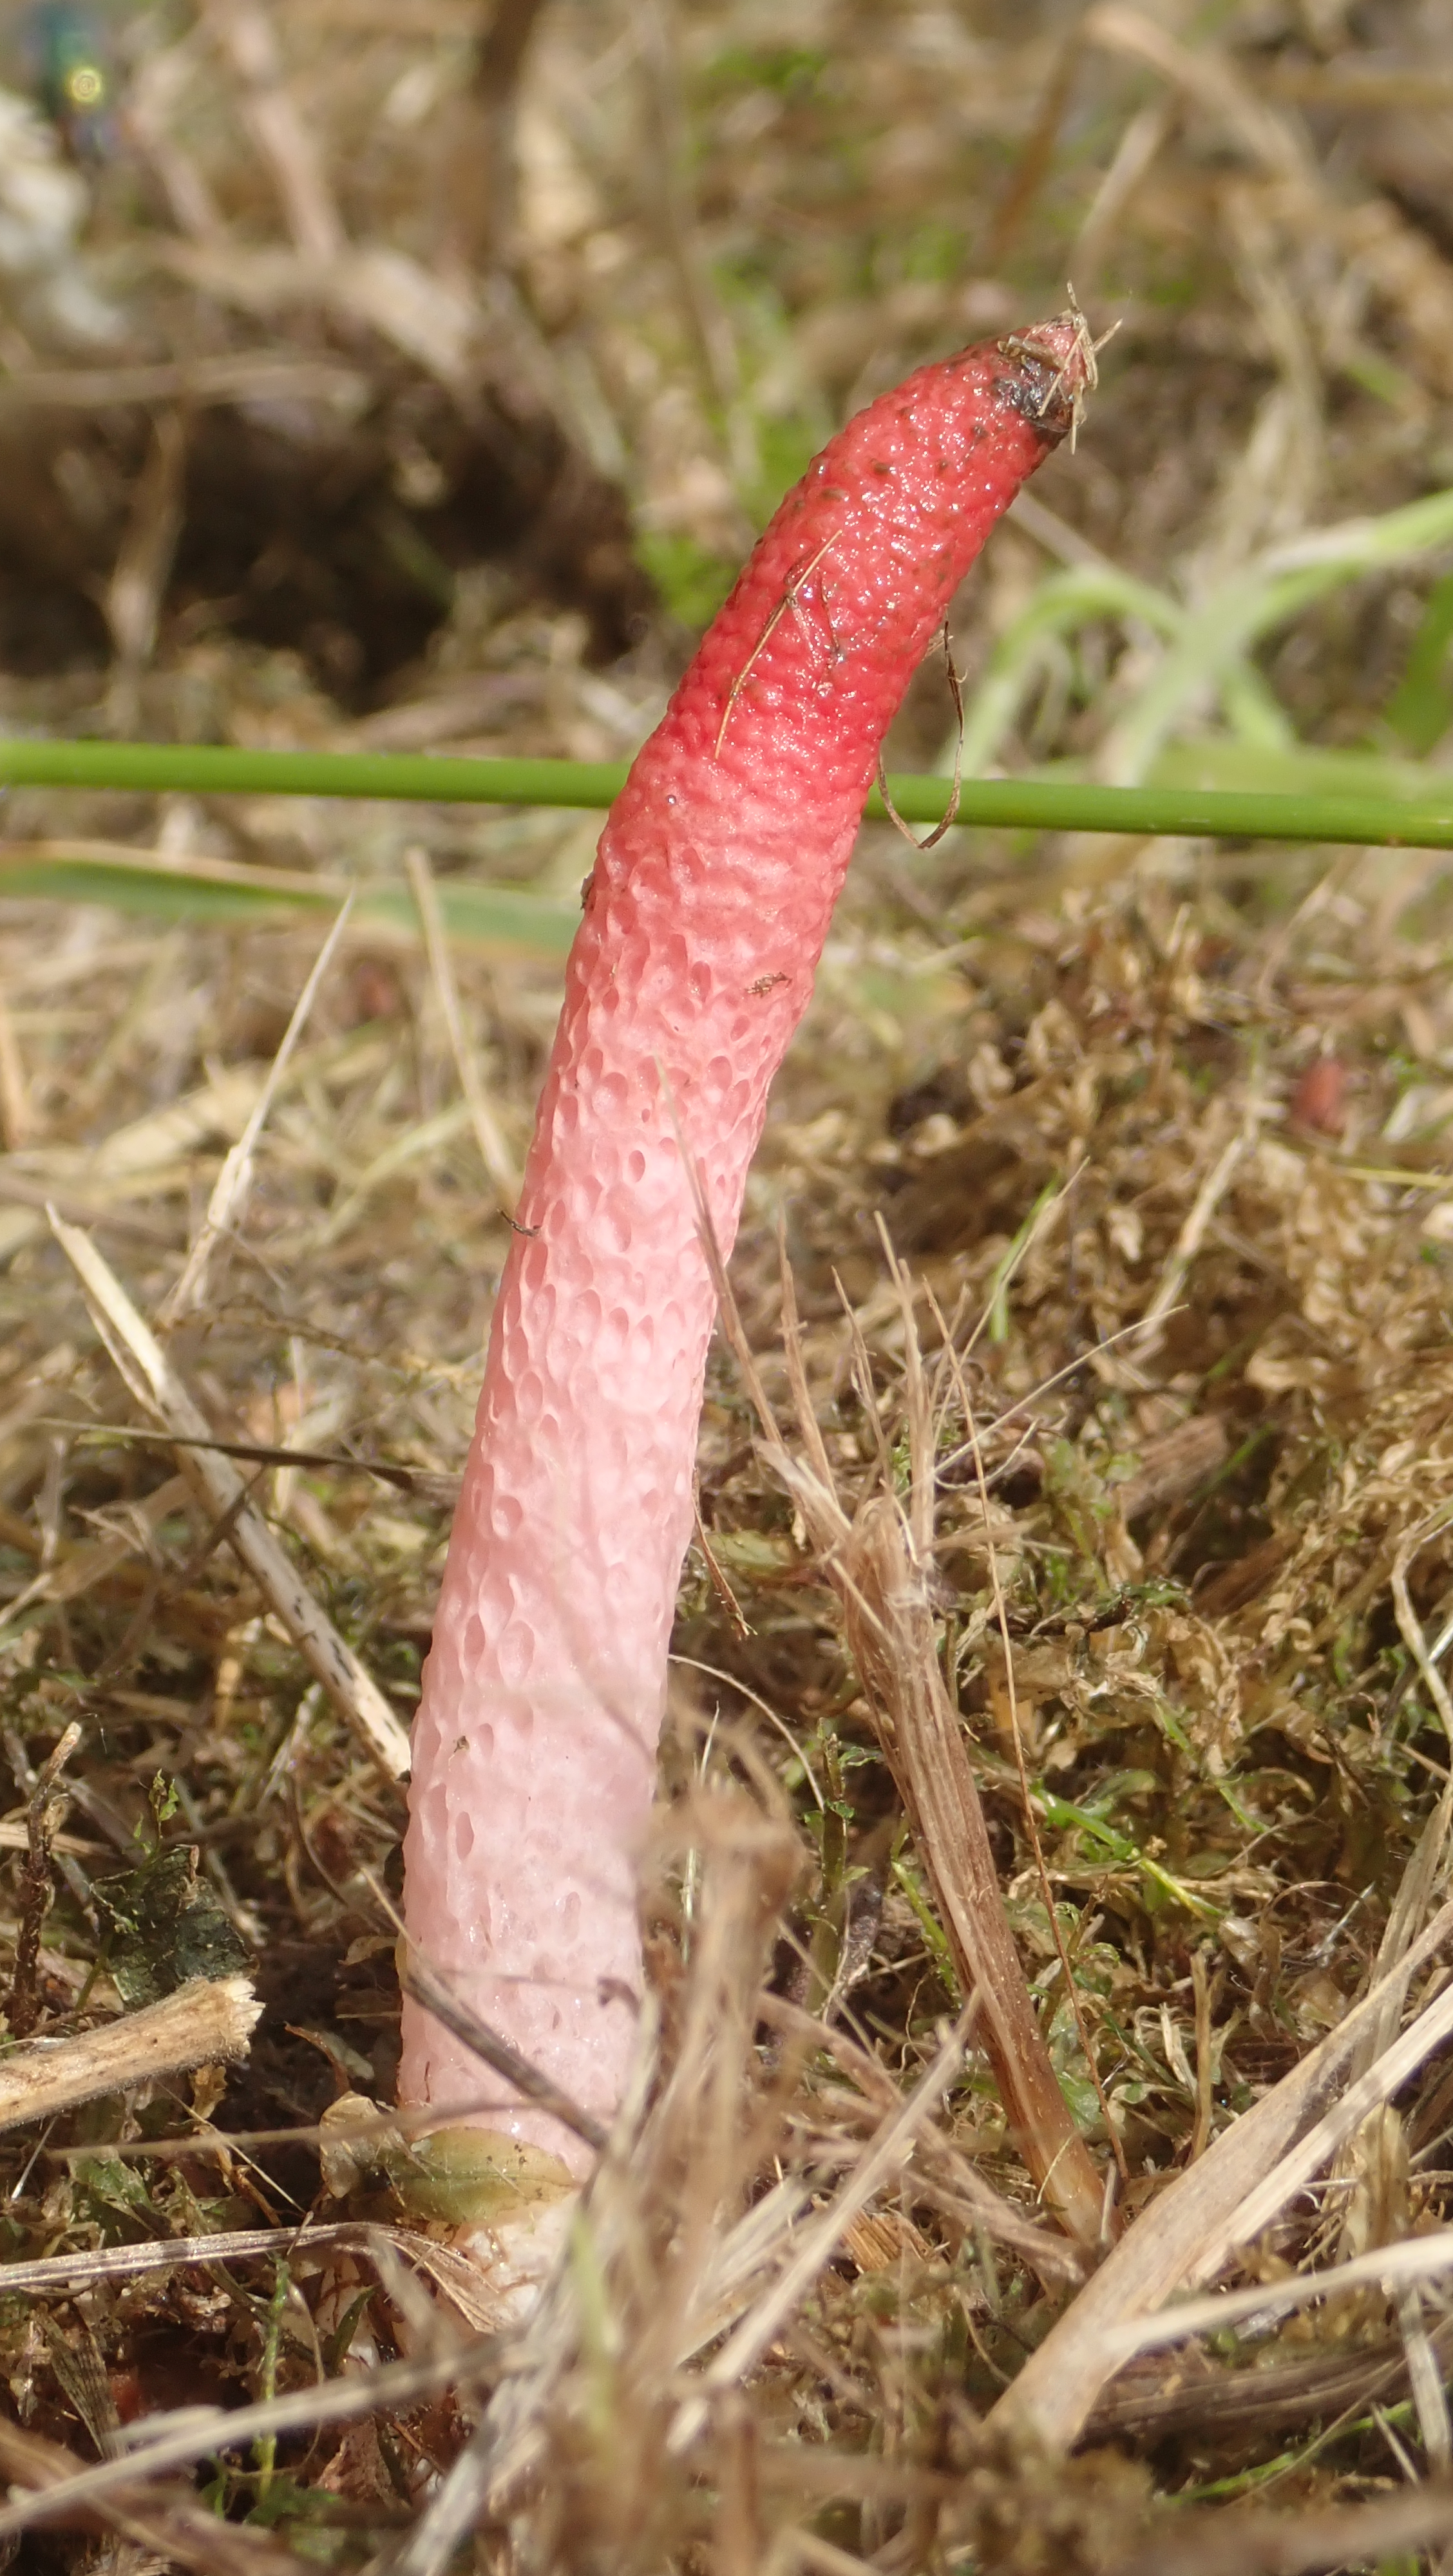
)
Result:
{"points": [[534, 1747]]}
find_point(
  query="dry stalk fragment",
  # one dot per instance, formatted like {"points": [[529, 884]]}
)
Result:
{"points": [[890, 1630], [204, 2023]]}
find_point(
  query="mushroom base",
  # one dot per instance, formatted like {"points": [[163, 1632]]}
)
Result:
{"points": [[505, 2206]]}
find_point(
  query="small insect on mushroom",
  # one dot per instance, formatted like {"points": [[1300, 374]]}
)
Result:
{"points": [[720, 863]]}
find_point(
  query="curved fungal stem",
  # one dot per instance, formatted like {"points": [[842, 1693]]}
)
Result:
{"points": [[534, 1747]]}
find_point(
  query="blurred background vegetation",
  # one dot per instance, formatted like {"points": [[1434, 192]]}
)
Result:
{"points": [[573, 295]]}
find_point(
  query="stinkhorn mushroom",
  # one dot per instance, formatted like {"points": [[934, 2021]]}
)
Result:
{"points": [[534, 1746]]}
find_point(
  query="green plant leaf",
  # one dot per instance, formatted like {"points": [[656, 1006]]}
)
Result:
{"points": [[1420, 709], [692, 582], [498, 920], [1220, 630], [1219, 763]]}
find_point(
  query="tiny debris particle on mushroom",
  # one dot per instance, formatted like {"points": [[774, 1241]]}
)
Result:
{"points": [[705, 914]]}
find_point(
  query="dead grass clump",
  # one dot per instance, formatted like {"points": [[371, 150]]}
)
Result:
{"points": [[1199, 1343]]}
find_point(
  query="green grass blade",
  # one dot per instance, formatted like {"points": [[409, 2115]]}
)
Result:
{"points": [[212, 769], [1421, 707], [1218, 762], [502, 921], [1253, 710], [1424, 819], [1063, 603], [1189, 811], [1224, 626]]}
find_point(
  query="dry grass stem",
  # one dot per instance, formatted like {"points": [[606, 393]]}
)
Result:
{"points": [[143, 566], [205, 2023], [817, 2243], [43, 1813], [998, 2217], [1267, 2544], [432, 1991], [494, 1153], [154, 1382], [890, 1632], [228, 1203], [404, 2383], [244, 32]]}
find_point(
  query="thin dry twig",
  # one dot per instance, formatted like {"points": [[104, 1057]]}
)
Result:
{"points": [[427, 1988], [489, 1136], [43, 1814], [169, 2532], [790, 596], [951, 810], [1269, 2544], [75, 1570], [1205, 2056], [1051, 2255], [260, 375], [890, 1633], [890, 1630], [1196, 1226], [1389, 2070], [816, 2243], [205, 2429], [233, 1185], [143, 566], [1411, 2261], [15, 1120], [322, 2243], [152, 1379], [246, 33]]}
